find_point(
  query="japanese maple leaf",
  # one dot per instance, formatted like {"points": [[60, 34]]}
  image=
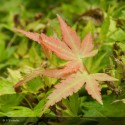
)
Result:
{"points": [[74, 74], [70, 49]]}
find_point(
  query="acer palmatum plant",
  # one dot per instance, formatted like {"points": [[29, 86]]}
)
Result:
{"points": [[74, 74]]}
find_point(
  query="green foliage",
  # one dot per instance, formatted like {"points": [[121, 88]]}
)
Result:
{"points": [[19, 56], [109, 109]]}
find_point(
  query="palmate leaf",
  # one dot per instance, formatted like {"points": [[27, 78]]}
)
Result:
{"points": [[74, 74], [74, 82], [70, 48]]}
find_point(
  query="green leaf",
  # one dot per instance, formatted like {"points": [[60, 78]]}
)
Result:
{"points": [[6, 87], [72, 105], [20, 111], [119, 35], [105, 27], [34, 57], [9, 100], [109, 109], [39, 107], [96, 63], [34, 85], [14, 75], [2, 50], [22, 47]]}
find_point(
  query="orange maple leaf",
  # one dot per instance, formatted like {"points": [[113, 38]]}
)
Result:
{"points": [[70, 49], [74, 74]]}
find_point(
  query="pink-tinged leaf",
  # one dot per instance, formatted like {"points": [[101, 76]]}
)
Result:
{"points": [[74, 74], [93, 89], [31, 35], [103, 77], [69, 69], [87, 44], [60, 48], [73, 83], [66, 88], [69, 36], [92, 85], [54, 73]]}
